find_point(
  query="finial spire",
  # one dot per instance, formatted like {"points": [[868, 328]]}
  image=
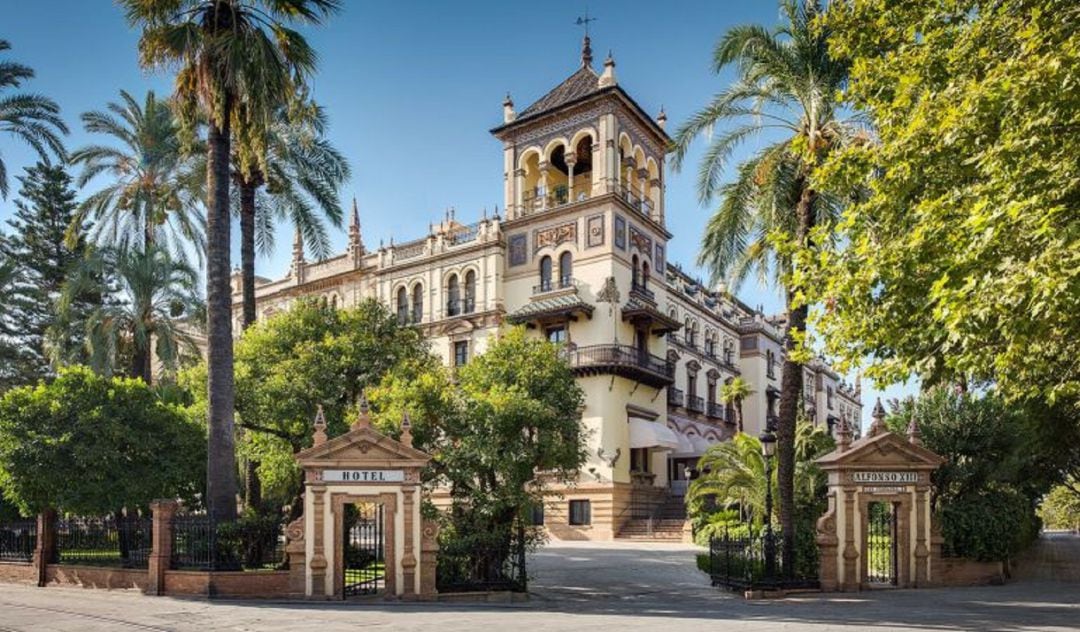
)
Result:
{"points": [[406, 429], [298, 256], [586, 47], [878, 416], [843, 436], [914, 435], [356, 240], [320, 427], [607, 78], [661, 118], [362, 419]]}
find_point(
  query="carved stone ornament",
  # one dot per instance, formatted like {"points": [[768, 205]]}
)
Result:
{"points": [[594, 229], [609, 293], [554, 235], [640, 241]]}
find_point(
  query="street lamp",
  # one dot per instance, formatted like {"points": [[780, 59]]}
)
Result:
{"points": [[768, 449]]}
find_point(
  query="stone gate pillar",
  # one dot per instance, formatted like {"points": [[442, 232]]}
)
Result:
{"points": [[882, 467]]}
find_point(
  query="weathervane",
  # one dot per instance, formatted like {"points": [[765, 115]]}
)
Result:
{"points": [[584, 22]]}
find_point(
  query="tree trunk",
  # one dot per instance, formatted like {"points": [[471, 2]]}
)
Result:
{"points": [[221, 452], [140, 363], [791, 386], [248, 186]]}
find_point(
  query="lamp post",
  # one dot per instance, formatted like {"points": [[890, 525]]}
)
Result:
{"points": [[768, 449]]}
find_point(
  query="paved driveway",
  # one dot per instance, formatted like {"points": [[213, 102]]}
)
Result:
{"points": [[600, 587]]}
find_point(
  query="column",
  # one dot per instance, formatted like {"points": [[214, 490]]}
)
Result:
{"points": [[162, 512], [408, 557], [317, 565], [518, 208], [544, 167], [571, 160]]}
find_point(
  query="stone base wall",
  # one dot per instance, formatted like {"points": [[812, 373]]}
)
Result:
{"points": [[239, 584], [958, 571], [97, 577], [16, 573]]}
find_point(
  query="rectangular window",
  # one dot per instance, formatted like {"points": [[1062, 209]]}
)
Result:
{"points": [[537, 515], [556, 334], [580, 513], [461, 352], [639, 459]]}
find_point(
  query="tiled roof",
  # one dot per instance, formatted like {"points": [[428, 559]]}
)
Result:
{"points": [[563, 304], [580, 84]]}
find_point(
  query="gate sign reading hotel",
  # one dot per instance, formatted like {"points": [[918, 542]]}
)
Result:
{"points": [[362, 532], [878, 529]]}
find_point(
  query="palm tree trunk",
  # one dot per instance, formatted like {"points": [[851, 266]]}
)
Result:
{"points": [[252, 486], [791, 386], [140, 364], [221, 451]]}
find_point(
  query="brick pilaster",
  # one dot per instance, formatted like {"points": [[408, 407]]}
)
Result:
{"points": [[161, 551]]}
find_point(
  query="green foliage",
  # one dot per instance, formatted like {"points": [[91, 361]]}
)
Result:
{"points": [[963, 260], [251, 539], [289, 364], [512, 413], [1060, 509], [92, 445], [1000, 459], [32, 118], [38, 261]]}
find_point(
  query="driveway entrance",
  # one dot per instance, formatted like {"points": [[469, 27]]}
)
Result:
{"points": [[622, 570]]}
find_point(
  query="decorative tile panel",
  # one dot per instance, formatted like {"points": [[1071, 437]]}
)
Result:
{"points": [[554, 235], [519, 249], [658, 261], [640, 241], [620, 232], [594, 231]]}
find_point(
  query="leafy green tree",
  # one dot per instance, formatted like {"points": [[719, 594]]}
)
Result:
{"points": [[295, 361], [152, 194], [40, 261], [1000, 459], [785, 85], [91, 445], [150, 297], [32, 118], [508, 426], [1060, 509], [238, 61], [963, 261]]}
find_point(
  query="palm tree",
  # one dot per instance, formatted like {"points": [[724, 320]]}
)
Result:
{"points": [[785, 86], [735, 392], [154, 195], [150, 296], [303, 174], [33, 118], [733, 475], [239, 61]]}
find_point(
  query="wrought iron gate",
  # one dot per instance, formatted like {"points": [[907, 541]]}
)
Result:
{"points": [[364, 556], [881, 554]]}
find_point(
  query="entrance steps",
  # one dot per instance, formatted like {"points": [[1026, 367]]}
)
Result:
{"points": [[667, 524]]}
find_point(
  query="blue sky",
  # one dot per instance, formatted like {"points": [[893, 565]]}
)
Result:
{"points": [[412, 88]]}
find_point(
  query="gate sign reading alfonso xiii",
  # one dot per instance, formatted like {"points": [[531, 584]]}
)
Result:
{"points": [[362, 531]]}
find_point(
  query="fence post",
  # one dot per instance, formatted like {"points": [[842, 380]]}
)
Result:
{"points": [[45, 547], [161, 544]]}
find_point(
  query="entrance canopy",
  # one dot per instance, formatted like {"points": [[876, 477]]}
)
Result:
{"points": [[650, 434]]}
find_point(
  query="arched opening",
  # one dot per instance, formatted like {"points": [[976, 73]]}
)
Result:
{"points": [[470, 292], [644, 275], [558, 177], [532, 192], [582, 171], [333, 301], [545, 274], [402, 306], [566, 270], [635, 280], [453, 296], [652, 188], [418, 303]]}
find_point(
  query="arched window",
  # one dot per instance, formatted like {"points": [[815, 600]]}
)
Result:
{"points": [[402, 306], [770, 361], [545, 274], [333, 301], [418, 303], [470, 292], [729, 351], [566, 269], [634, 280], [453, 296], [644, 274]]}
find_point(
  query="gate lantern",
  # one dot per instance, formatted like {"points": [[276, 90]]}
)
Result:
{"points": [[383, 546], [878, 528]]}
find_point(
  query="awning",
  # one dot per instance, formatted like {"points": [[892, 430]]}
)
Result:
{"points": [[565, 305], [649, 434], [691, 445]]}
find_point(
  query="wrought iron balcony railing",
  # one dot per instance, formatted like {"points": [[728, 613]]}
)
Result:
{"points": [[461, 306], [717, 410], [549, 285], [695, 403], [639, 288], [623, 360], [675, 397]]}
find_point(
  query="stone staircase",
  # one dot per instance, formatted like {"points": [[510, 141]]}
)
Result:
{"points": [[666, 525]]}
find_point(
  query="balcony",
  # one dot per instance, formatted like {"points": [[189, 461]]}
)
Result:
{"points": [[675, 397], [548, 285], [621, 360], [636, 200], [638, 288], [695, 404], [459, 307], [717, 410], [539, 199]]}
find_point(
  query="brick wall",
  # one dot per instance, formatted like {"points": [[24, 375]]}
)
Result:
{"points": [[958, 571], [15, 573], [249, 584], [97, 576]]}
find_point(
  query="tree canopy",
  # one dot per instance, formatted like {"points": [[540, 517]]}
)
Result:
{"points": [[91, 445], [963, 261]]}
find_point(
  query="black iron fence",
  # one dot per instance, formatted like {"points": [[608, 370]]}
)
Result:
{"points": [[477, 569], [123, 541], [17, 540], [200, 543], [740, 560]]}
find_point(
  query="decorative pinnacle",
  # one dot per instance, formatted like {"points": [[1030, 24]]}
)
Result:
{"points": [[320, 426], [878, 415], [508, 101], [913, 433], [406, 429], [362, 419], [844, 436], [586, 52]]}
